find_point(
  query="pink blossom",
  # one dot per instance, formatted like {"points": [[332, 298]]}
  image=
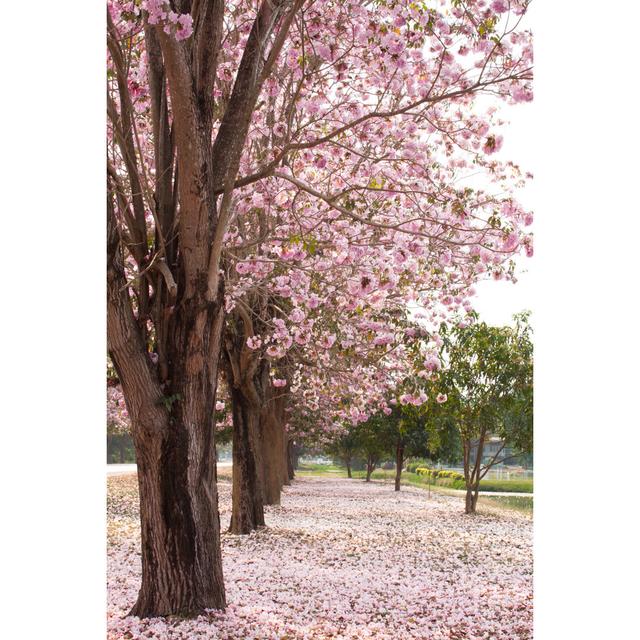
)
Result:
{"points": [[432, 363], [327, 341], [279, 382], [254, 342], [441, 397], [185, 26], [492, 144]]}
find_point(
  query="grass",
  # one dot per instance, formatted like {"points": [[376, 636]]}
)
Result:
{"points": [[524, 504], [388, 475], [524, 485], [311, 469]]}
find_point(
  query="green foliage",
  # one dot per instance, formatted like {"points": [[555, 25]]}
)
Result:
{"points": [[168, 401], [524, 485], [120, 449], [412, 465], [439, 473], [375, 438], [488, 382]]}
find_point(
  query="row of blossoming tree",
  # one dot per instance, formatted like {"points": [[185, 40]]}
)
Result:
{"points": [[287, 182], [484, 390]]}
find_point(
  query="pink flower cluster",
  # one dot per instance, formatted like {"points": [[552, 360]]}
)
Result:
{"points": [[160, 12]]}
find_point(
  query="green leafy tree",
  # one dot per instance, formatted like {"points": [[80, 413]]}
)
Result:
{"points": [[488, 382], [374, 441], [344, 449]]}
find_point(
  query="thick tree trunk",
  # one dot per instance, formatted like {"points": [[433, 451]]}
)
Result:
{"points": [[349, 468], [181, 561], [173, 434], [272, 433], [281, 417], [295, 456], [247, 512], [171, 404], [399, 463]]}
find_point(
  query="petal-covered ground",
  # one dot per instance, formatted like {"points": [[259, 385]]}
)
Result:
{"points": [[345, 559]]}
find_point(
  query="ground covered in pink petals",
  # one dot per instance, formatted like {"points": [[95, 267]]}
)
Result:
{"points": [[345, 559]]}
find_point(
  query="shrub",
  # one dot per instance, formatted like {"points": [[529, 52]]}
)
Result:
{"points": [[415, 463], [439, 474]]}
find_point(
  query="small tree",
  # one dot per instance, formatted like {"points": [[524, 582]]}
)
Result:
{"points": [[408, 430], [374, 441], [489, 392], [344, 449]]}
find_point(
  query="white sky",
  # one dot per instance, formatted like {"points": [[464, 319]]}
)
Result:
{"points": [[496, 300]]}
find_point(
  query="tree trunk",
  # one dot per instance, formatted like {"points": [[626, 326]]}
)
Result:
{"points": [[247, 511], [273, 447], [290, 459], [295, 457], [247, 376], [472, 475], [173, 434], [471, 500], [371, 465], [348, 461], [171, 403], [287, 467], [399, 463]]}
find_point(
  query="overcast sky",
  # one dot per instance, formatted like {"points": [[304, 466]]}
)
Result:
{"points": [[497, 301]]}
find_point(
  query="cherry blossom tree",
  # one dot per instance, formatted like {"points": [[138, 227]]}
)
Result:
{"points": [[166, 224], [336, 135]]}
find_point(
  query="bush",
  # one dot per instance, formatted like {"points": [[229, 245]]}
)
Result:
{"points": [[436, 474], [415, 463]]}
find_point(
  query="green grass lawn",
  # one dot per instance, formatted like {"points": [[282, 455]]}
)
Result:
{"points": [[309, 469], [515, 486], [523, 504]]}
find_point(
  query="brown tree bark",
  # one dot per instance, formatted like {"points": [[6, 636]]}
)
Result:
{"points": [[348, 462], [172, 430], [287, 467], [472, 470], [371, 465], [471, 499], [273, 448], [178, 309], [291, 459], [399, 463], [247, 378], [247, 511]]}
